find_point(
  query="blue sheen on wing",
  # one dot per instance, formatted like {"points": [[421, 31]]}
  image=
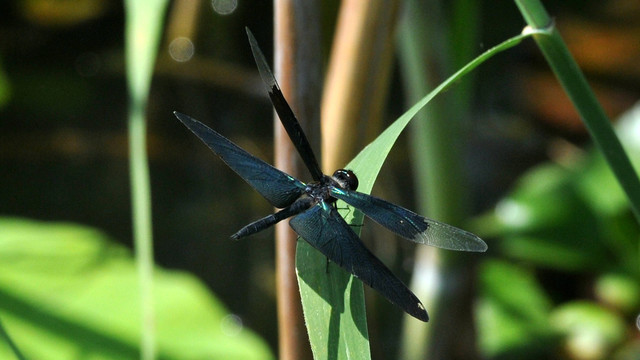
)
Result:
{"points": [[279, 188], [323, 228], [410, 225]]}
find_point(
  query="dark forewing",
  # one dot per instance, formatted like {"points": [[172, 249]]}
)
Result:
{"points": [[411, 225], [286, 115], [278, 188], [325, 230]]}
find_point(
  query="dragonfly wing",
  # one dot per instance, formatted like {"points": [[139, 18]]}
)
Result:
{"points": [[325, 230], [279, 188], [286, 115], [410, 225]]}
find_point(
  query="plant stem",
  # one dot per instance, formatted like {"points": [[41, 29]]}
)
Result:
{"points": [[142, 33], [357, 79], [142, 228], [574, 83], [297, 65]]}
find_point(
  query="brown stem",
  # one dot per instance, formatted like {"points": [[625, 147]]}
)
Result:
{"points": [[297, 67], [357, 78]]}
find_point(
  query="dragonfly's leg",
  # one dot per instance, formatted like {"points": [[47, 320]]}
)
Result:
{"points": [[344, 211]]}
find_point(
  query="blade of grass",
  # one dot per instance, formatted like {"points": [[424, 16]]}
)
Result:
{"points": [[368, 162], [337, 304], [356, 81], [575, 85], [143, 28]]}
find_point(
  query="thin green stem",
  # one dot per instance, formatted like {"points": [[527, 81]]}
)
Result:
{"points": [[574, 83], [142, 34], [143, 237]]}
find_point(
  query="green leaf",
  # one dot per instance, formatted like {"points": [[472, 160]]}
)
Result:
{"points": [[544, 221], [337, 330], [571, 218], [333, 303], [590, 330], [68, 292], [512, 313], [619, 291]]}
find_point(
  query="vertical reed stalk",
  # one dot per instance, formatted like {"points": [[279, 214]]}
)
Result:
{"points": [[297, 65], [142, 34]]}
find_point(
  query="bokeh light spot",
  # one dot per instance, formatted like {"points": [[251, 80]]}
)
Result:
{"points": [[231, 325], [181, 49], [512, 213], [224, 7]]}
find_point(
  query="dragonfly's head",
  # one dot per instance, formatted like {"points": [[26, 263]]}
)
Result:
{"points": [[347, 179]]}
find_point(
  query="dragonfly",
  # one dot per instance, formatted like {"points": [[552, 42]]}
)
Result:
{"points": [[312, 206]]}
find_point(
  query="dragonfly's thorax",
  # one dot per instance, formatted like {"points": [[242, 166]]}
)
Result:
{"points": [[321, 190]]}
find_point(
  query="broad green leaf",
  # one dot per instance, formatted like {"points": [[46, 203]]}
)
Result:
{"points": [[68, 292], [333, 309]]}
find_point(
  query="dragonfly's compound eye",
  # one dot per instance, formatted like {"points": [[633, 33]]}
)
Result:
{"points": [[347, 179]]}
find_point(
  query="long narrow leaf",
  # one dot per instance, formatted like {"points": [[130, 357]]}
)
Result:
{"points": [[332, 300]]}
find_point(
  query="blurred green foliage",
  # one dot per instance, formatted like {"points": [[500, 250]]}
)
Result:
{"points": [[68, 291], [572, 221]]}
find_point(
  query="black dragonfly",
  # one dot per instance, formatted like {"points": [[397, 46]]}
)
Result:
{"points": [[312, 206]]}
